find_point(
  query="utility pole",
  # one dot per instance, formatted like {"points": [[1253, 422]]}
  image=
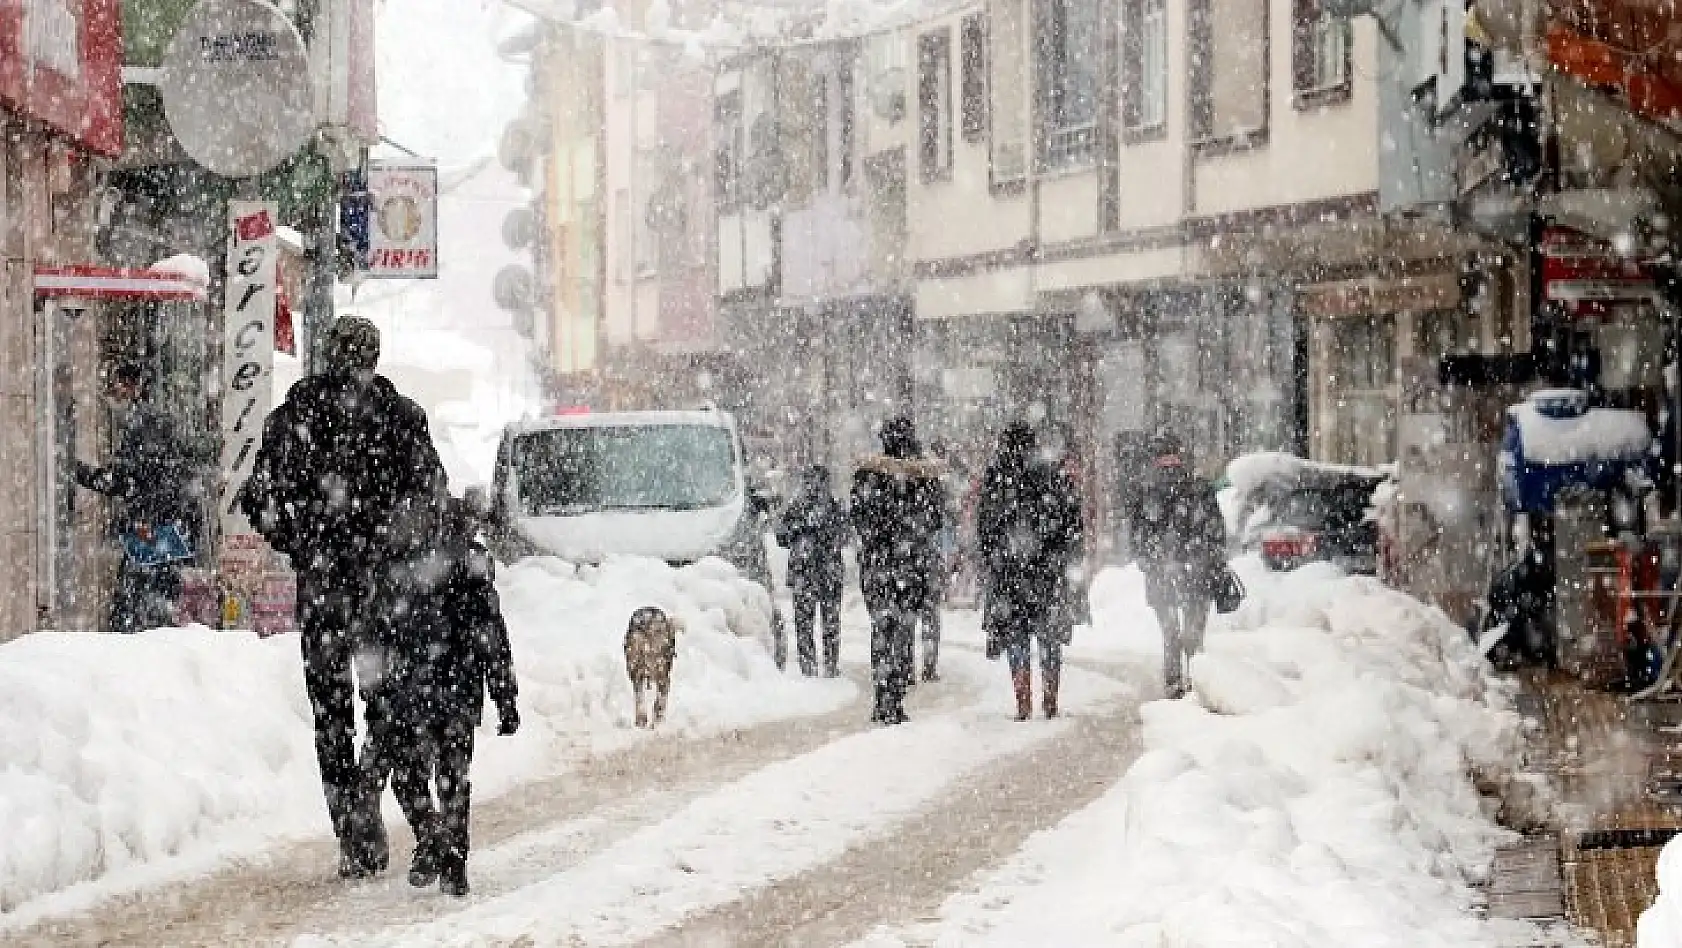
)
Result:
{"points": [[318, 296]]}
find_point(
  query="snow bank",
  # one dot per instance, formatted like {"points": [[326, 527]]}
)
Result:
{"points": [[1661, 925], [128, 752], [1318, 790]]}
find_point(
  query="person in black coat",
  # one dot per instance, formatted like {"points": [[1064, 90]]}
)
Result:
{"points": [[335, 459], [813, 528], [1028, 529], [153, 480], [897, 499], [443, 645], [1179, 539]]}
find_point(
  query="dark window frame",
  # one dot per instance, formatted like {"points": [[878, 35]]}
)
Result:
{"points": [[972, 52], [1061, 146], [1307, 91], [1205, 142], [846, 91], [1134, 128], [729, 150], [934, 105]]}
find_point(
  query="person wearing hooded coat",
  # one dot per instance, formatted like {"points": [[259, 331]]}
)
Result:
{"points": [[1028, 528], [813, 528], [336, 459], [1179, 539], [442, 644], [153, 479], [896, 500]]}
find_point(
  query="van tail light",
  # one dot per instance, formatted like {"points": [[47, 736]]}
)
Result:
{"points": [[1290, 546]]}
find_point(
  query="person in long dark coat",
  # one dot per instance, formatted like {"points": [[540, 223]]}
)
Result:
{"points": [[336, 457], [153, 480], [444, 644], [896, 503], [813, 528], [1179, 539], [1028, 531]]}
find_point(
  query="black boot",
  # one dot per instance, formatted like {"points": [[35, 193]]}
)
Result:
{"points": [[452, 879], [373, 846], [426, 865]]}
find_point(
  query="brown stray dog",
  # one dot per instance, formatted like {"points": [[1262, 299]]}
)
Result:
{"points": [[650, 647]]}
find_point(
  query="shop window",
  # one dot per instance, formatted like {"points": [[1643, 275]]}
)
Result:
{"points": [[1360, 358], [1320, 54], [1145, 68], [934, 105], [1068, 62]]}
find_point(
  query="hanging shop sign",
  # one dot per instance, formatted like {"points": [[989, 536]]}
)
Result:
{"points": [[1580, 273], [403, 231], [247, 350], [61, 64]]}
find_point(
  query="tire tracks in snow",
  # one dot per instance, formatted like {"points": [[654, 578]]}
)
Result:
{"points": [[529, 832], [907, 875]]}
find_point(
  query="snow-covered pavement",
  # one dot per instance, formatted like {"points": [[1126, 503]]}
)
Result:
{"points": [[1319, 789]]}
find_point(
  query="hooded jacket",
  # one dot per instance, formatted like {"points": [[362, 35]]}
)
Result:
{"points": [[898, 505], [1028, 524]]}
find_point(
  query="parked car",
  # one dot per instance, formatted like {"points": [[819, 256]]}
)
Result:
{"points": [[671, 485], [1293, 512]]}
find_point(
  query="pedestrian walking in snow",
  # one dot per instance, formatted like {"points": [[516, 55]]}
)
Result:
{"points": [[152, 480], [813, 528], [443, 645], [1028, 530], [1179, 539], [896, 510], [336, 458]]}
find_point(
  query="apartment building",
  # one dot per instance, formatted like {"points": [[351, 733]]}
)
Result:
{"points": [[1147, 213]]}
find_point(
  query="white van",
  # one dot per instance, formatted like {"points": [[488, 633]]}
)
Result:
{"points": [[666, 484]]}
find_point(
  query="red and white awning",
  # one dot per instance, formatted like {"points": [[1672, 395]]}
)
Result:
{"points": [[109, 283]]}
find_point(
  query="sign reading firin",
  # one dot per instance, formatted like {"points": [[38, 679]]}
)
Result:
{"points": [[403, 231], [247, 350]]}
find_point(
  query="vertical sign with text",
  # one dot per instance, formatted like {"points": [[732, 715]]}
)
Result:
{"points": [[247, 350]]}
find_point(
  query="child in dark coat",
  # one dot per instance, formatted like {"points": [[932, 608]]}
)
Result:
{"points": [[446, 645]]}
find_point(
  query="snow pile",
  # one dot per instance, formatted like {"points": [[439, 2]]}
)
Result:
{"points": [[1661, 925], [186, 744], [1318, 790], [1596, 434]]}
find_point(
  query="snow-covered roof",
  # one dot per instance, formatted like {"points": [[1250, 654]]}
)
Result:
{"points": [[187, 265], [1596, 434], [621, 419]]}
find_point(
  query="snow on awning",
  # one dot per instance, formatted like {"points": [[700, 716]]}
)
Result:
{"points": [[113, 283]]}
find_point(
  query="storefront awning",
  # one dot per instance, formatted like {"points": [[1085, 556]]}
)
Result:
{"points": [[110, 283]]}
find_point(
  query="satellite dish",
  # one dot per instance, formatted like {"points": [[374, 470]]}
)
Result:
{"points": [[236, 87], [514, 288], [519, 228], [519, 145]]}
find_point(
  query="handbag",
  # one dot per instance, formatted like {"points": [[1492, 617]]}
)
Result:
{"points": [[1229, 591]]}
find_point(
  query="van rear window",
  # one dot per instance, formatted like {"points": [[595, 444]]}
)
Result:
{"points": [[637, 467]]}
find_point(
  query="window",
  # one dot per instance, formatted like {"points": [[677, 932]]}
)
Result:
{"points": [[1068, 61], [974, 52], [727, 122], [844, 90], [1320, 55], [1145, 67], [934, 104], [1227, 57], [1007, 87]]}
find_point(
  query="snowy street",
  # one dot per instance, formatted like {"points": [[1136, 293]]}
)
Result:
{"points": [[1127, 821]]}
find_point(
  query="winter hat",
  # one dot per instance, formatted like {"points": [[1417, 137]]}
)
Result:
{"points": [[1017, 441], [353, 346], [899, 438]]}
